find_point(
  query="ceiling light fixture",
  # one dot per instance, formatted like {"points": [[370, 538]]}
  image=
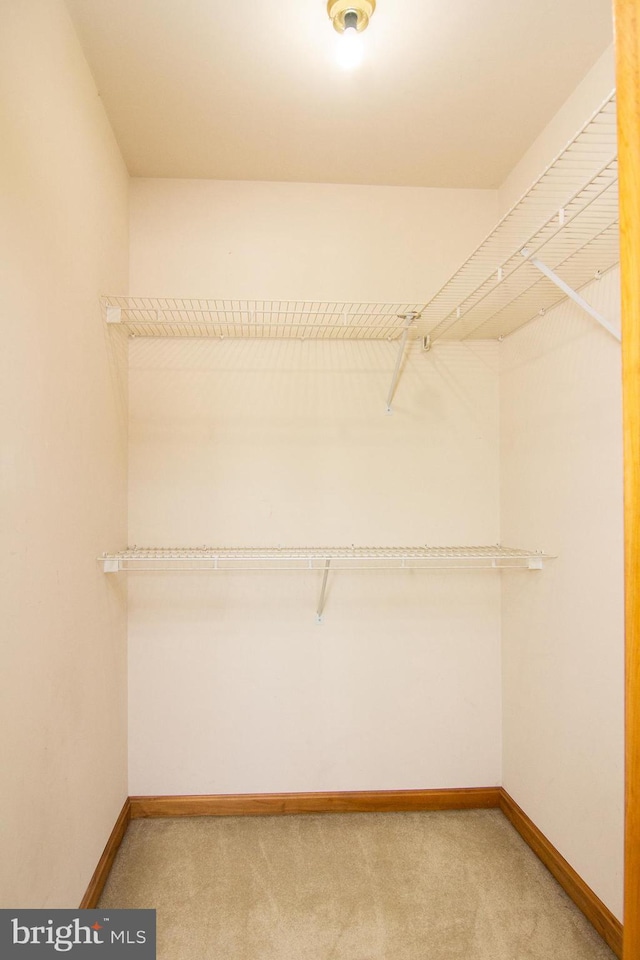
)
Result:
{"points": [[350, 18]]}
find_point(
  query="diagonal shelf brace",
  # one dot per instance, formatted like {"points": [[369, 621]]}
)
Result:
{"points": [[570, 292], [408, 320], [323, 590]]}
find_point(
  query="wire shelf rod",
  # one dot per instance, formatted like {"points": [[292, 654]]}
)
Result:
{"points": [[536, 244], [474, 263], [145, 316], [319, 555], [505, 300], [584, 170]]}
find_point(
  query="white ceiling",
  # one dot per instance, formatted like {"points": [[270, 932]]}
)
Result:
{"points": [[451, 92]]}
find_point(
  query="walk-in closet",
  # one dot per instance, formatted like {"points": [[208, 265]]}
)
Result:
{"points": [[313, 465]]}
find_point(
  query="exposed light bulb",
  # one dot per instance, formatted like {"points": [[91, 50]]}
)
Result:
{"points": [[350, 49], [350, 43]]}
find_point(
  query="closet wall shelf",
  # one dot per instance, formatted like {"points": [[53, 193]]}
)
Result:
{"points": [[560, 235], [262, 319], [322, 559], [257, 319], [316, 558]]}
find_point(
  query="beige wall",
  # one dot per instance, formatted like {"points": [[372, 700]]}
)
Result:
{"points": [[232, 239], [570, 118], [63, 239], [233, 686], [561, 490]]}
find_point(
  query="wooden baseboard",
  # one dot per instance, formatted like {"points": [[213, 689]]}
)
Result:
{"points": [[608, 926], [365, 801], [99, 878], [269, 804]]}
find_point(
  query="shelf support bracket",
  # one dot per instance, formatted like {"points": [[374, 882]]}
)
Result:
{"points": [[110, 564], [323, 590], [571, 293], [408, 320]]}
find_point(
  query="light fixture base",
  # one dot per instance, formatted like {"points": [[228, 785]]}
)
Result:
{"points": [[338, 9]]}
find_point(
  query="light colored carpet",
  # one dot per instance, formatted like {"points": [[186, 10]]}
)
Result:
{"points": [[395, 886]]}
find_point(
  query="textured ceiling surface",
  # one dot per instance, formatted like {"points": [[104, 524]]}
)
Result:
{"points": [[450, 92]]}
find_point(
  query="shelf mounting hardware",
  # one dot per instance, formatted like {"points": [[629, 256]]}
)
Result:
{"points": [[320, 559], [570, 292], [409, 319], [323, 590]]}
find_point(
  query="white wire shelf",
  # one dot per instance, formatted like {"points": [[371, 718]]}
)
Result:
{"points": [[567, 222], [257, 319], [147, 559], [322, 559]]}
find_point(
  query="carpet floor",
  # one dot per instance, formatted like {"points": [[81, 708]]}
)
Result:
{"points": [[456, 885]]}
